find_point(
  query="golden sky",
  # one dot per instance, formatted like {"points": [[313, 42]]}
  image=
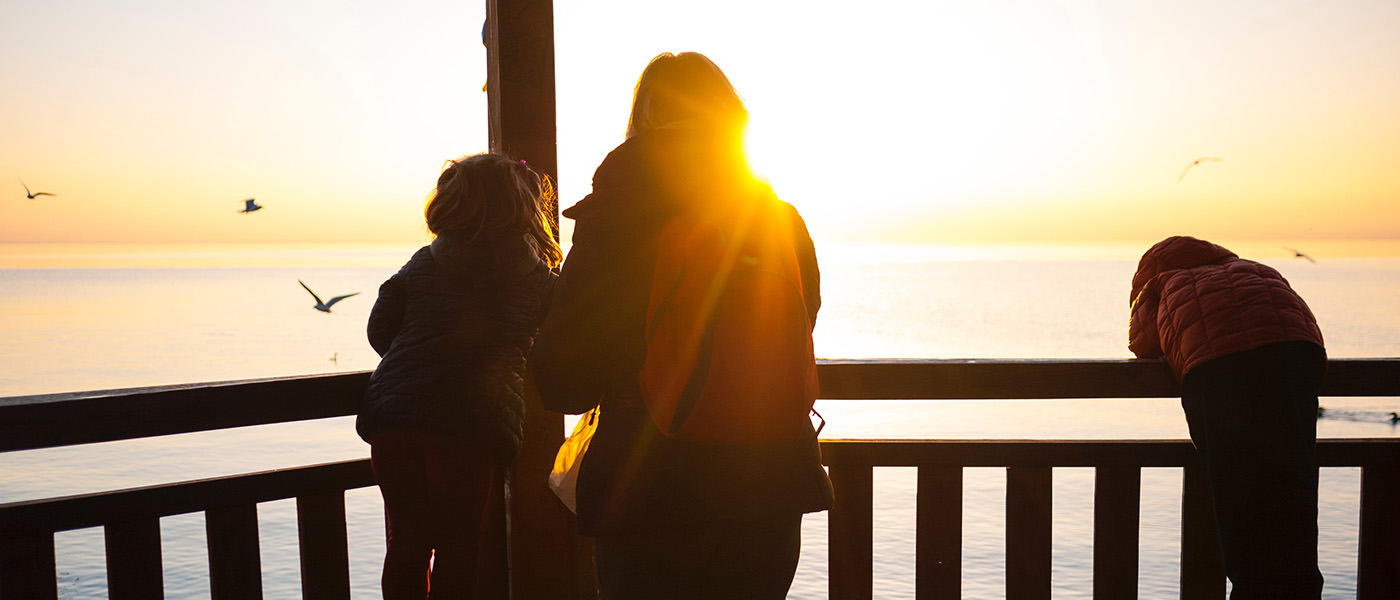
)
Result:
{"points": [[934, 122]]}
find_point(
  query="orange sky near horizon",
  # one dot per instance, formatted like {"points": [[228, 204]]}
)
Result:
{"points": [[1012, 121]]}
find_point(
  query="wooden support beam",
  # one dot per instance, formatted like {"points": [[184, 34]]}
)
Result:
{"points": [[544, 557]]}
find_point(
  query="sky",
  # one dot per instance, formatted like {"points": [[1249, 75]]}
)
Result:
{"points": [[929, 121]]}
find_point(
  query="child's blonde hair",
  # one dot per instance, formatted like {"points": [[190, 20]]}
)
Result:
{"points": [[493, 193]]}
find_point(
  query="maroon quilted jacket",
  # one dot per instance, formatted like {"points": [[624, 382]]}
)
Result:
{"points": [[1193, 301]]}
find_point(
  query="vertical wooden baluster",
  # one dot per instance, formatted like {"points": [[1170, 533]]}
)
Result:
{"points": [[1378, 560], [133, 560], [1202, 574], [849, 535], [938, 533], [325, 561], [235, 566], [1028, 514], [1117, 495], [27, 566]]}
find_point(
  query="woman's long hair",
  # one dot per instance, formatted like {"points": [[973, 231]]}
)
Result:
{"points": [[489, 194], [680, 87]]}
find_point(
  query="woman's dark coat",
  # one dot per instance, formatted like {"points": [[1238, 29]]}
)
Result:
{"points": [[453, 327], [591, 348]]}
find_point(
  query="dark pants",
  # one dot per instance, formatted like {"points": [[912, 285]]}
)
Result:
{"points": [[734, 561], [1253, 419], [435, 496]]}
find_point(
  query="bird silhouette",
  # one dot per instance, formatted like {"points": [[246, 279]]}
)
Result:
{"points": [[324, 307], [250, 205], [33, 195], [1297, 254], [1194, 163]]}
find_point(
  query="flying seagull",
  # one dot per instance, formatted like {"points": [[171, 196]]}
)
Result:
{"points": [[324, 307], [250, 205], [1194, 163], [1297, 254], [33, 195]]}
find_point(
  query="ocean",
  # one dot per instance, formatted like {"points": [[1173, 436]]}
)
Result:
{"points": [[89, 317]]}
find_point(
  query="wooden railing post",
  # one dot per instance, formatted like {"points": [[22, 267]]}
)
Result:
{"points": [[27, 566], [849, 533], [325, 562], [1378, 560], [938, 533], [1117, 496], [133, 560], [1028, 542], [1202, 574], [235, 566]]}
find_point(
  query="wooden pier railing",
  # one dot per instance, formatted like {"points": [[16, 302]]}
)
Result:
{"points": [[130, 517]]}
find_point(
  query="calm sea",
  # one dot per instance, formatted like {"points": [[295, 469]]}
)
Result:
{"points": [[99, 317]]}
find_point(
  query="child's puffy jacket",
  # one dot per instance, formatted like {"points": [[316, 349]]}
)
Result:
{"points": [[1193, 301], [453, 327]]}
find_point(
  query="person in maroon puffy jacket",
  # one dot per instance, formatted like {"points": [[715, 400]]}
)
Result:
{"points": [[1250, 358]]}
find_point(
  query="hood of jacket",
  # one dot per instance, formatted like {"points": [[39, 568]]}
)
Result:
{"points": [[1176, 252]]}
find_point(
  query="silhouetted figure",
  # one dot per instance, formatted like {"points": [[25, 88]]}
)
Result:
{"points": [[325, 306], [1250, 358], [1194, 163], [445, 407], [670, 519], [33, 195]]}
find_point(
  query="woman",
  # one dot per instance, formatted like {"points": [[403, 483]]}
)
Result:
{"points": [[671, 519]]}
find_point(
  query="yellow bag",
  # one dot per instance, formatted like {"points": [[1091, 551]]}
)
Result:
{"points": [[563, 479]]}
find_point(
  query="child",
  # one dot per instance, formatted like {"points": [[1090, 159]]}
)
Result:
{"points": [[1250, 359], [445, 407]]}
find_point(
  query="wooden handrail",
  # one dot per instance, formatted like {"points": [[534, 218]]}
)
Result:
{"points": [[28, 422], [26, 528]]}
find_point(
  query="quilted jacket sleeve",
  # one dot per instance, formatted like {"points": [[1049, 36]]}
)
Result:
{"points": [[1143, 337], [386, 318]]}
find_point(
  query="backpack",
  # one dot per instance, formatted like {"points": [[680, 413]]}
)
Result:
{"points": [[729, 355]]}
